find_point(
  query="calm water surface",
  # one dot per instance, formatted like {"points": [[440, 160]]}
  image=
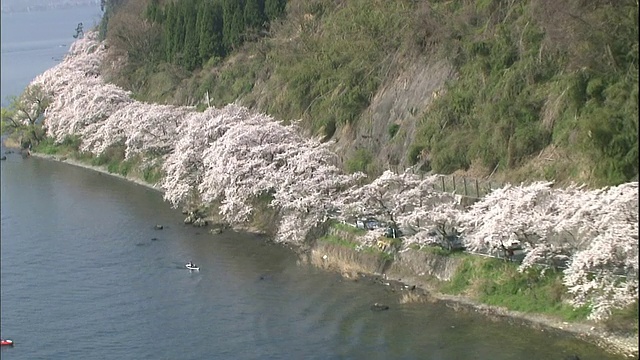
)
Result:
{"points": [[32, 42], [83, 278]]}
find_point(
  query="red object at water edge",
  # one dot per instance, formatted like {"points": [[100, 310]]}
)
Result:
{"points": [[6, 342]]}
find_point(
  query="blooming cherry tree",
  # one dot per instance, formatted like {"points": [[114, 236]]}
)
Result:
{"points": [[412, 202], [184, 167], [605, 274], [143, 128], [596, 230], [81, 97]]}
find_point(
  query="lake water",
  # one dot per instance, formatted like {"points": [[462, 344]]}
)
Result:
{"points": [[32, 42], [85, 275]]}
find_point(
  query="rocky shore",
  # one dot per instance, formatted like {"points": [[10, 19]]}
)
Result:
{"points": [[413, 287]]}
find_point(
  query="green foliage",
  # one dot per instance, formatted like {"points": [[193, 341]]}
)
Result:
{"points": [[331, 75], [209, 24], [360, 161], [190, 53], [528, 76], [72, 142], [450, 154], [47, 146], [508, 75], [609, 121], [348, 228], [393, 130], [624, 321], [462, 279], [233, 22], [231, 83], [339, 241], [6, 123], [438, 250], [254, 16], [499, 283], [274, 9], [152, 174], [414, 153], [111, 157], [154, 11], [329, 129], [69, 145]]}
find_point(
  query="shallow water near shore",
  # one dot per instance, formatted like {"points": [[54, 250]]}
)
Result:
{"points": [[86, 275]]}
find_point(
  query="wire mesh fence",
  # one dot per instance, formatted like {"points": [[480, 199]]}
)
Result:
{"points": [[466, 186]]}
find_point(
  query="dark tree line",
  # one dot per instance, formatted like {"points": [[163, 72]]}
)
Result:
{"points": [[194, 31]]}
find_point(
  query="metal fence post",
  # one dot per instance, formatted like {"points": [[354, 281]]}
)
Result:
{"points": [[464, 182]]}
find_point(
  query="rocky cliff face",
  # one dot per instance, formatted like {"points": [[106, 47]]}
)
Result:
{"points": [[402, 100], [415, 266], [409, 266]]}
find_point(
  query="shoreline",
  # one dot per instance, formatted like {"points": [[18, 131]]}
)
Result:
{"points": [[64, 159], [424, 292], [626, 346]]}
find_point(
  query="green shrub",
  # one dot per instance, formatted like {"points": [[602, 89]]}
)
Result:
{"points": [[348, 228], [393, 130], [414, 153], [339, 241], [113, 167], [47, 146], [360, 161], [72, 142], [624, 321], [499, 283], [438, 250], [152, 175]]}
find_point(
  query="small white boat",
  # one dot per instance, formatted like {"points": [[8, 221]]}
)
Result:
{"points": [[192, 267]]}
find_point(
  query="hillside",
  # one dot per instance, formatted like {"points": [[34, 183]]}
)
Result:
{"points": [[516, 90]]}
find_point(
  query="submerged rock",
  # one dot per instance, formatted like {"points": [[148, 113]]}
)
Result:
{"points": [[200, 222], [379, 307]]}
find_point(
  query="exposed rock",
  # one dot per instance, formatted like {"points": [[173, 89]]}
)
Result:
{"points": [[200, 222], [379, 307], [216, 230]]}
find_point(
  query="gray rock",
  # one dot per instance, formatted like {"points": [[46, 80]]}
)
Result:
{"points": [[200, 222], [379, 307]]}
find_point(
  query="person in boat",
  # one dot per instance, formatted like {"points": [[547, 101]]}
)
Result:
{"points": [[191, 264]]}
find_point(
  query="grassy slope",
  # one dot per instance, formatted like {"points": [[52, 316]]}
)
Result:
{"points": [[536, 89]]}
